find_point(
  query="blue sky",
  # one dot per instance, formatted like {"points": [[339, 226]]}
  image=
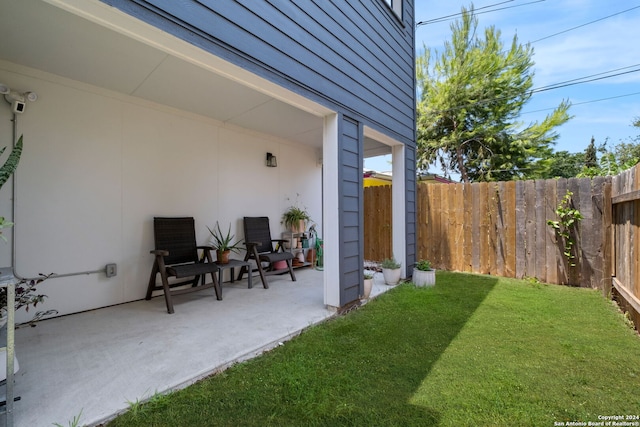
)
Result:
{"points": [[600, 47]]}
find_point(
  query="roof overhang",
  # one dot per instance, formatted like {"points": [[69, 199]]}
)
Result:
{"points": [[94, 43]]}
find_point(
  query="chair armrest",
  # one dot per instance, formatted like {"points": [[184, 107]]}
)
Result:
{"points": [[160, 252], [279, 244], [206, 248]]}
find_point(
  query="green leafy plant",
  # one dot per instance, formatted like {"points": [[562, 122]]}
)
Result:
{"points": [[7, 169], [390, 263], [11, 164], [293, 216], [75, 422], [423, 265], [26, 295], [368, 276], [222, 241], [568, 218], [4, 224]]}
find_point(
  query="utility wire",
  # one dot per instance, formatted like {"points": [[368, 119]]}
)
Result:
{"points": [[583, 25], [549, 87], [584, 102], [450, 17], [592, 75], [429, 21], [561, 85]]}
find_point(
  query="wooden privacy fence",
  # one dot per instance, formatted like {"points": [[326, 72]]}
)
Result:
{"points": [[625, 199], [377, 223], [500, 228]]}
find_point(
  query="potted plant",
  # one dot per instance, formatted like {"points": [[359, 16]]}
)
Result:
{"points": [[423, 274], [368, 284], [294, 218], [222, 243], [391, 271]]}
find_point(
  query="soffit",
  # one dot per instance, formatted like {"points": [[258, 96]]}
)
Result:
{"points": [[45, 37]]}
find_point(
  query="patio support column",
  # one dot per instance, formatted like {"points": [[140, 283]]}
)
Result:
{"points": [[398, 207], [330, 211]]}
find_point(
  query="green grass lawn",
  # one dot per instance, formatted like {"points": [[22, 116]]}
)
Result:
{"points": [[471, 351]]}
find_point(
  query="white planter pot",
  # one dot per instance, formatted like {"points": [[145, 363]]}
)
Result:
{"points": [[368, 285], [424, 278], [391, 277]]}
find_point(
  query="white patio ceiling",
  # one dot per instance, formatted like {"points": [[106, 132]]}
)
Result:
{"points": [[115, 52]]}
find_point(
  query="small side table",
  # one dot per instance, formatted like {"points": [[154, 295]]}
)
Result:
{"points": [[232, 264]]}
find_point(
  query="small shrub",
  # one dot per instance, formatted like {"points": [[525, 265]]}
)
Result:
{"points": [[423, 265], [390, 263]]}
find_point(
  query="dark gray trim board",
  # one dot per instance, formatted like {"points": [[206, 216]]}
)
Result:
{"points": [[350, 205]]}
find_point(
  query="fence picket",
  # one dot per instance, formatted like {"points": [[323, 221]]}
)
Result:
{"points": [[520, 220]]}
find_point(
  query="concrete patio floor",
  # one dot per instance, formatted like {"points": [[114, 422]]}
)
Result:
{"points": [[94, 364]]}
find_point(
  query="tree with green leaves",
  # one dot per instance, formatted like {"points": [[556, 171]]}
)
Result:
{"points": [[612, 162], [591, 155], [560, 164], [471, 97]]}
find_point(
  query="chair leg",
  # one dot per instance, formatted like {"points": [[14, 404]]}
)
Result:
{"points": [[244, 268], [216, 285], [289, 264], [265, 284], [152, 280], [165, 286]]}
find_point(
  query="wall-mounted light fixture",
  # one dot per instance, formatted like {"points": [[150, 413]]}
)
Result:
{"points": [[16, 99], [272, 162]]}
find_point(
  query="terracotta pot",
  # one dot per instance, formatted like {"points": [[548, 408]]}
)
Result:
{"points": [[279, 265], [311, 256], [223, 257], [299, 228]]}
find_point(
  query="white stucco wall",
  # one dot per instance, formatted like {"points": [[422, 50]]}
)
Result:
{"points": [[98, 166]]}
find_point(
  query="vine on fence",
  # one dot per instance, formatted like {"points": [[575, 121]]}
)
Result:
{"points": [[568, 218]]}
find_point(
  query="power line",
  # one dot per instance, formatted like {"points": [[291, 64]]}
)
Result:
{"points": [[559, 85], [584, 102], [429, 21], [592, 75], [584, 25], [450, 17]]}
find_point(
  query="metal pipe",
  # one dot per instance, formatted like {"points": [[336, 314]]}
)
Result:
{"points": [[13, 229]]}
